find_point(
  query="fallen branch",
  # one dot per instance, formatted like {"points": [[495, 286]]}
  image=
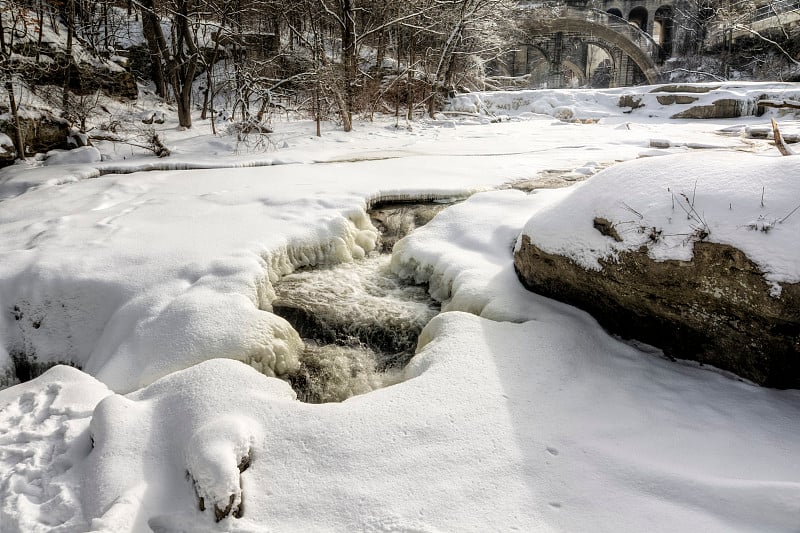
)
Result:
{"points": [[782, 147]]}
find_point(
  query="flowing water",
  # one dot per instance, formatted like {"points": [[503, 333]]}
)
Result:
{"points": [[359, 321]]}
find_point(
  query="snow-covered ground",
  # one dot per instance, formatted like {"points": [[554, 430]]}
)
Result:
{"points": [[518, 413]]}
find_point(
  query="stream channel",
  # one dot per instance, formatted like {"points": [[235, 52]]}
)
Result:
{"points": [[359, 321]]}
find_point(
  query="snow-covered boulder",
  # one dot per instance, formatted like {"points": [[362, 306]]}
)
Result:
{"points": [[207, 443], [7, 151], [82, 155], [705, 267]]}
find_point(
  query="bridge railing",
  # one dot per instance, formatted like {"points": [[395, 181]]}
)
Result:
{"points": [[774, 15], [775, 8]]}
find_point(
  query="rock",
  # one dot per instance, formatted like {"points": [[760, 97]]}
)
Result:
{"points": [[678, 88], [605, 227], [77, 139], [88, 77], [41, 134], [660, 143], [670, 99], [7, 151], [722, 108], [630, 100], [715, 309]]}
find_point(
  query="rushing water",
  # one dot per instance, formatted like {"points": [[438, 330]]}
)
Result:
{"points": [[359, 321], [360, 324]]}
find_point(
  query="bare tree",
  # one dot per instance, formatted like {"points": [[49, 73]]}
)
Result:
{"points": [[13, 26], [180, 59]]}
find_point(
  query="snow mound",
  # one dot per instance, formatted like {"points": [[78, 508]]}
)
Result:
{"points": [[176, 419], [83, 155], [666, 205]]}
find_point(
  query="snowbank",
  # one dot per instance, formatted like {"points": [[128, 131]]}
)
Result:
{"points": [[469, 270]]}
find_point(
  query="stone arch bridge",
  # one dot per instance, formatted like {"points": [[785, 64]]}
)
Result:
{"points": [[579, 45]]}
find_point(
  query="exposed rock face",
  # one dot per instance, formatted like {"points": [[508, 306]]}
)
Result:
{"points": [[715, 309], [722, 108], [47, 64], [86, 78], [680, 88]]}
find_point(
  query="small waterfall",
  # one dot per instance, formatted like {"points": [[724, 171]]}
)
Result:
{"points": [[359, 321]]}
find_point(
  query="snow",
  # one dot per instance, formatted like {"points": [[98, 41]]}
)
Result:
{"points": [[465, 270], [517, 413], [43, 443], [84, 154]]}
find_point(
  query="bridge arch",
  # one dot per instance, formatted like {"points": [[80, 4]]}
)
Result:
{"points": [[639, 17], [614, 11], [663, 21], [602, 29], [576, 70], [537, 64]]}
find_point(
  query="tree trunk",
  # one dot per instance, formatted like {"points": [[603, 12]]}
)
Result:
{"points": [[151, 29], [40, 17], [187, 68], [18, 139], [180, 69], [317, 105], [410, 88], [210, 80], [68, 67], [377, 76], [349, 62]]}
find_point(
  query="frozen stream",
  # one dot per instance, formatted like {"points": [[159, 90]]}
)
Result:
{"points": [[359, 321]]}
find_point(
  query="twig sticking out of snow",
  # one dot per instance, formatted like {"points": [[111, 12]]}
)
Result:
{"points": [[792, 212], [783, 148]]}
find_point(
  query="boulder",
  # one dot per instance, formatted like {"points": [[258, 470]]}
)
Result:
{"points": [[630, 100], [716, 308], [7, 151], [41, 134], [76, 156]]}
